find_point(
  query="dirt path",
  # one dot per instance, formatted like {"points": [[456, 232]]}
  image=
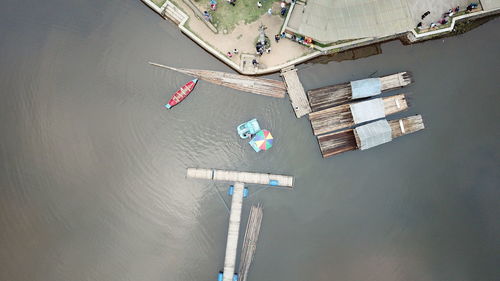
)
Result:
{"points": [[243, 38]]}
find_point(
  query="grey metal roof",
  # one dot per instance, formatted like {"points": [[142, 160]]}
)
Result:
{"points": [[490, 4], [333, 20]]}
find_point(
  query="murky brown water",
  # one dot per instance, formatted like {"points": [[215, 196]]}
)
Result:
{"points": [[92, 166]]}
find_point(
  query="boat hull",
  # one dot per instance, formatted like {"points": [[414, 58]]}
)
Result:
{"points": [[181, 94]]}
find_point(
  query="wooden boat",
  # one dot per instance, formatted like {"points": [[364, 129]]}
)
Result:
{"points": [[340, 117], [330, 96], [181, 94], [347, 140]]}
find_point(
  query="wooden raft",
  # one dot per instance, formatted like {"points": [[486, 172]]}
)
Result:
{"points": [[340, 117], [296, 91], [259, 86], [329, 96], [346, 140]]}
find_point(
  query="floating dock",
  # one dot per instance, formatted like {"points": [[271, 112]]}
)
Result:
{"points": [[239, 179], [348, 140], [348, 115], [259, 86], [245, 177], [330, 96], [233, 231], [296, 91]]}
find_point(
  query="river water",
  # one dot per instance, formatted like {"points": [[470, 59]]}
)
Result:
{"points": [[92, 171]]}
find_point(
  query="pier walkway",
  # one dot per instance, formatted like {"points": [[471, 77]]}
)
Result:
{"points": [[239, 179], [233, 231], [296, 91]]}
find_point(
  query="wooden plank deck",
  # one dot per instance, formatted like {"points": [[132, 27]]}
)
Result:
{"points": [[406, 125], [259, 86], [235, 176], [329, 96], [338, 142], [233, 232], [340, 117], [296, 92]]}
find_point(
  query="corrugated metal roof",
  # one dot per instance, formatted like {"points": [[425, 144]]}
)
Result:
{"points": [[333, 20], [490, 4]]}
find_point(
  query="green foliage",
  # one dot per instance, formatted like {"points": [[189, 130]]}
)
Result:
{"points": [[227, 16], [159, 3]]}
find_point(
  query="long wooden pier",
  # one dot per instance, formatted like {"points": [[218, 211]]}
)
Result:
{"points": [[296, 92], [259, 86], [347, 140], [323, 98], [239, 179], [340, 117], [233, 231]]}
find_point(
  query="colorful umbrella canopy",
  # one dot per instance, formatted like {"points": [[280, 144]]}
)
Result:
{"points": [[263, 139]]}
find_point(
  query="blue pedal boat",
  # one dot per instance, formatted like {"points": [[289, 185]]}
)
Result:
{"points": [[248, 129]]}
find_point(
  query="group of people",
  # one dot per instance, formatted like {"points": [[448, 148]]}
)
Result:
{"points": [[261, 48], [303, 40], [213, 6], [277, 37], [234, 52], [270, 11], [445, 17]]}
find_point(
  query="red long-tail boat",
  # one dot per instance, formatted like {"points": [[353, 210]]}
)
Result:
{"points": [[181, 94]]}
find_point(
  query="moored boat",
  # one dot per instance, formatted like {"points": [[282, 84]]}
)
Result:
{"points": [[181, 94], [248, 128]]}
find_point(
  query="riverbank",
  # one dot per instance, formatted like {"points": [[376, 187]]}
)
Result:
{"points": [[292, 50]]}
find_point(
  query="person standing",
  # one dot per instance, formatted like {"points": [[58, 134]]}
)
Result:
{"points": [[277, 38], [207, 16], [235, 51], [283, 11], [270, 11], [259, 4]]}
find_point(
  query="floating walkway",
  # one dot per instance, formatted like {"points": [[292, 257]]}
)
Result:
{"points": [[296, 91], [369, 135], [348, 115], [233, 231], [259, 86], [239, 179], [330, 96], [245, 177]]}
